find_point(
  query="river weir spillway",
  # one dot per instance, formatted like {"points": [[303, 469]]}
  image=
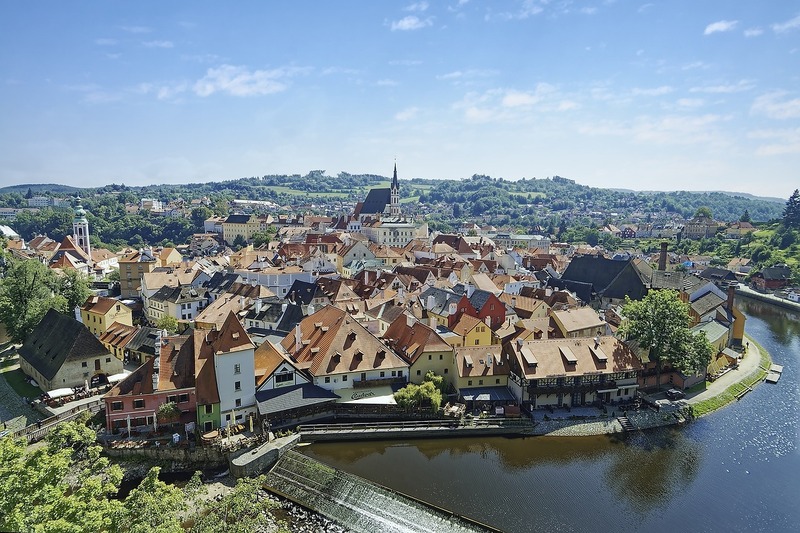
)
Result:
{"points": [[357, 503]]}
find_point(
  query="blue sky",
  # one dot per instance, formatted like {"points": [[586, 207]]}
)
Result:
{"points": [[666, 95]]}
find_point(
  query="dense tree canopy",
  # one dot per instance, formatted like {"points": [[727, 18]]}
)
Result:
{"points": [[791, 214], [659, 323]]}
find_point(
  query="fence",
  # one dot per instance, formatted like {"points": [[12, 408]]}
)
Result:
{"points": [[41, 429]]}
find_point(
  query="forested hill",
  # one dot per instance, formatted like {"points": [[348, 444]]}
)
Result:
{"points": [[475, 196]]}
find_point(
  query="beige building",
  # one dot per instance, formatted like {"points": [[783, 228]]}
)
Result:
{"points": [[99, 312], [580, 322]]}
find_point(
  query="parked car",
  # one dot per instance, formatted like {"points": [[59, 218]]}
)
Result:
{"points": [[675, 394]]}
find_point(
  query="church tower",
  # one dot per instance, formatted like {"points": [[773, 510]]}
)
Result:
{"points": [[80, 229], [394, 197]]}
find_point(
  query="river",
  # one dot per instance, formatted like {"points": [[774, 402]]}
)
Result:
{"points": [[737, 469]]}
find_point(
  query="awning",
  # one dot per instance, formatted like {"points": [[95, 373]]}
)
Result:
{"points": [[382, 395], [116, 378], [487, 394], [607, 390], [60, 393]]}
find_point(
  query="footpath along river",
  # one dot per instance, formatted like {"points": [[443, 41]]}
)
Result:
{"points": [[737, 469]]}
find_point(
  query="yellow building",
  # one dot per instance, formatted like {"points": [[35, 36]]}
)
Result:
{"points": [[472, 332], [240, 226], [98, 312]]}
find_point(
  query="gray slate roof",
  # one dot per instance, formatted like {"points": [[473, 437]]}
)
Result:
{"points": [[284, 398], [57, 339], [376, 201]]}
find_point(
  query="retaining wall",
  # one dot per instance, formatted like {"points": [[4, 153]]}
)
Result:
{"points": [[250, 463]]}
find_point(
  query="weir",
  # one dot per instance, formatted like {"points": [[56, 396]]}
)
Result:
{"points": [[357, 503]]}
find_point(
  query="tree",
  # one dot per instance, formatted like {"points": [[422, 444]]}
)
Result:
{"points": [[791, 213], [242, 509], [659, 323], [74, 287], [26, 294], [239, 242], [703, 211], [168, 323], [412, 396], [745, 216], [200, 214], [168, 413]]}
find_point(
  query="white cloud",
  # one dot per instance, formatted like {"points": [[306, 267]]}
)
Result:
{"points": [[459, 75], [690, 102], [695, 65], [407, 114], [666, 130], [567, 105], [789, 25], [136, 29], [740, 86], [418, 6], [656, 91], [158, 44], [753, 32], [105, 42], [721, 26], [776, 105], [780, 141], [644, 7], [411, 22], [529, 8], [517, 99], [386, 83], [588, 10], [340, 70], [239, 81]]}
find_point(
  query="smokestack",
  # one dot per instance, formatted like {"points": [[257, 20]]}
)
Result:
{"points": [[731, 295], [298, 339], [662, 257]]}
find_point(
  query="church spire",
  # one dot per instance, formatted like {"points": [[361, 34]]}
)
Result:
{"points": [[394, 196], [80, 229]]}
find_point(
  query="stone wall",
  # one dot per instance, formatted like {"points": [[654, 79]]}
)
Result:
{"points": [[201, 456], [253, 462]]}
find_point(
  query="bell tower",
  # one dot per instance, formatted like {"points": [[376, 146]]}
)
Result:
{"points": [[80, 228], [394, 196]]}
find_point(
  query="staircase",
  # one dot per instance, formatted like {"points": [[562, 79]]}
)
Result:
{"points": [[625, 423]]}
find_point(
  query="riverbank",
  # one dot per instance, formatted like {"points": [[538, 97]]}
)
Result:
{"points": [[744, 290], [699, 401]]}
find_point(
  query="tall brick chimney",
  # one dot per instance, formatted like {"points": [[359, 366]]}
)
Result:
{"points": [[731, 295], [662, 258]]}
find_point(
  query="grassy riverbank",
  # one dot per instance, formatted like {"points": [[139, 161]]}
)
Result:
{"points": [[731, 394]]}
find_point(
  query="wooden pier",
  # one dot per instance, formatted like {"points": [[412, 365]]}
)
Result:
{"points": [[774, 374]]}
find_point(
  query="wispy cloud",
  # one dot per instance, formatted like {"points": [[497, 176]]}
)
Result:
{"points": [[529, 8], [406, 114], [694, 65], [158, 44], [644, 7], [753, 32], [469, 74], [411, 22], [136, 29], [789, 25], [690, 103], [655, 91], [665, 130], [777, 105], [721, 26], [509, 105], [405, 62], [740, 86], [778, 141], [105, 42], [96, 94], [166, 91], [340, 70], [386, 83], [417, 6], [240, 81]]}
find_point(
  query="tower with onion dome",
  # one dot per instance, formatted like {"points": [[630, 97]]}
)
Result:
{"points": [[80, 228]]}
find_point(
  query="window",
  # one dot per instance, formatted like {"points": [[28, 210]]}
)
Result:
{"points": [[208, 426], [138, 404], [497, 381], [394, 373], [327, 379], [183, 398], [86, 374], [108, 359], [383, 374], [173, 399], [344, 377], [116, 406], [237, 386], [430, 357], [284, 377], [469, 383], [209, 409], [237, 368], [400, 373], [419, 372], [476, 341], [440, 357], [445, 371], [84, 364], [480, 382], [238, 402]]}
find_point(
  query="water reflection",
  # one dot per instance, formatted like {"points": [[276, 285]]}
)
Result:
{"points": [[783, 323]]}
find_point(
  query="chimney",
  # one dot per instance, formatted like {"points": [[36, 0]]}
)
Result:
{"points": [[470, 289], [258, 305], [241, 302], [662, 257], [298, 339], [731, 295], [410, 320], [431, 302]]}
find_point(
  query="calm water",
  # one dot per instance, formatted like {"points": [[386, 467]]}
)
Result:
{"points": [[735, 470]]}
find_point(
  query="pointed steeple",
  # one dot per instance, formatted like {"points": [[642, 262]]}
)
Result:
{"points": [[80, 229], [394, 195]]}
